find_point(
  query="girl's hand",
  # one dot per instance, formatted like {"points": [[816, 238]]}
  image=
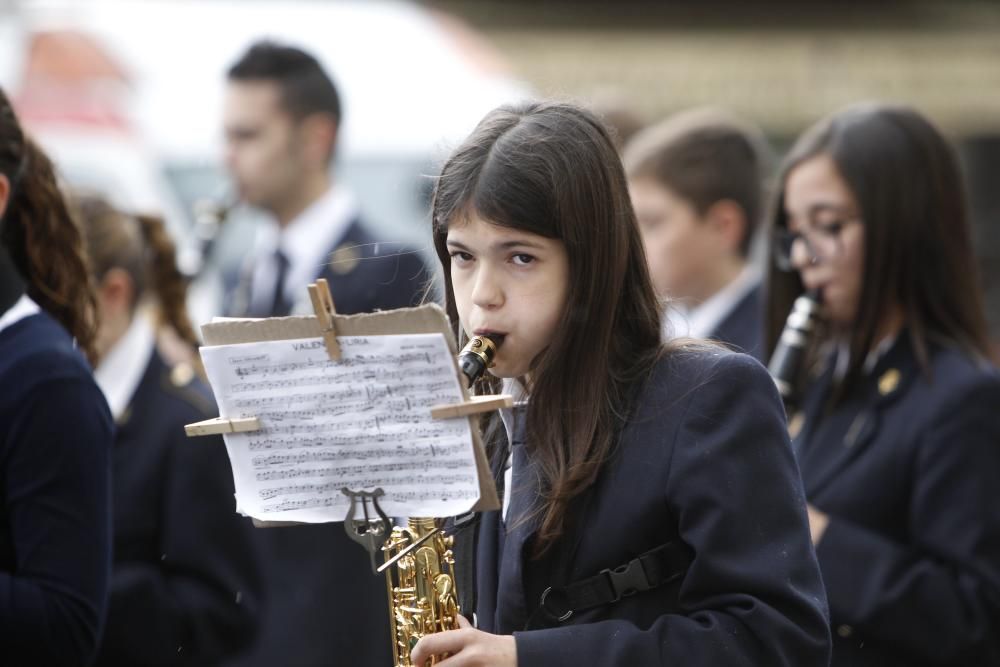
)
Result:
{"points": [[467, 647]]}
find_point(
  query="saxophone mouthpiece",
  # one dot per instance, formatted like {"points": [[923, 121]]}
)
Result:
{"points": [[477, 355]]}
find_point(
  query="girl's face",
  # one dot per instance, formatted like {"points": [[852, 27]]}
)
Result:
{"points": [[824, 219], [508, 282]]}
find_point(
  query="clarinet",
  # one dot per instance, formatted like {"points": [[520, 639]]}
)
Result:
{"points": [[210, 215], [790, 353]]}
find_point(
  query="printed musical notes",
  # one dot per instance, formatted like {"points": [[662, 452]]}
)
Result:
{"points": [[361, 422]]}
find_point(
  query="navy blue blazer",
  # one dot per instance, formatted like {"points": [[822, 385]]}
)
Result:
{"points": [[55, 498], [907, 467], [364, 275], [323, 604], [185, 586], [704, 459], [743, 327]]}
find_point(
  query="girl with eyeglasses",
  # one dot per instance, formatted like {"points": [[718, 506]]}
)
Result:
{"points": [[898, 441]]}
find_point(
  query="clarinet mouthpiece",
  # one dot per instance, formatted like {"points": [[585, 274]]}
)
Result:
{"points": [[790, 353]]}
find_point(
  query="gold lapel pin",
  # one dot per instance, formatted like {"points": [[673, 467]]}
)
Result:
{"points": [[795, 424], [344, 259], [181, 374], [888, 382]]}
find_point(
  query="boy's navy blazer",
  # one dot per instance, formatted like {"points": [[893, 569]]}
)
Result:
{"points": [[742, 328], [704, 459], [908, 468], [364, 275], [185, 585]]}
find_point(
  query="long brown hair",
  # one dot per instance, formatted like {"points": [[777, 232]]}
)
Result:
{"points": [[918, 249], [552, 169], [141, 246], [41, 236]]}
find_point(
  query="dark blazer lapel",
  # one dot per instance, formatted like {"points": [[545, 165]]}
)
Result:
{"points": [[523, 519], [488, 546], [513, 607], [344, 254], [366, 274], [743, 325], [343, 257], [857, 423], [487, 568], [809, 415]]}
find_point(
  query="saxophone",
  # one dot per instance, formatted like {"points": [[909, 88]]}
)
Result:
{"points": [[419, 563]]}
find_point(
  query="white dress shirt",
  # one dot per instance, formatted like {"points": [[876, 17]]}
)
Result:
{"points": [[306, 242], [120, 371], [24, 307]]}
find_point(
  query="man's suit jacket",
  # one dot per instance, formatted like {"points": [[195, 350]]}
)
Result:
{"points": [[323, 604], [364, 275], [185, 585], [742, 328], [704, 459], [907, 467]]}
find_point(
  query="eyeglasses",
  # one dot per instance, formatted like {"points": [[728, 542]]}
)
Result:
{"points": [[822, 242]]}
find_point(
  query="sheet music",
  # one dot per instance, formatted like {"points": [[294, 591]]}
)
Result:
{"points": [[362, 422]]}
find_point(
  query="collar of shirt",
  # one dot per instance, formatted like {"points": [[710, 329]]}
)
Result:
{"points": [[513, 387], [24, 307], [701, 321], [306, 241], [874, 356], [120, 371]]}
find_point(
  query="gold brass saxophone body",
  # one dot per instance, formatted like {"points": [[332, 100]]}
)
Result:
{"points": [[419, 564], [420, 584]]}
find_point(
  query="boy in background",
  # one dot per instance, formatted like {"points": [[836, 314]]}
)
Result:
{"points": [[696, 182]]}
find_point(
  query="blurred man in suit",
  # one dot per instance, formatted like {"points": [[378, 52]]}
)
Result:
{"points": [[696, 182], [282, 117], [282, 121]]}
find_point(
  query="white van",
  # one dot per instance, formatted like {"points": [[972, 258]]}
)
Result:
{"points": [[413, 83]]}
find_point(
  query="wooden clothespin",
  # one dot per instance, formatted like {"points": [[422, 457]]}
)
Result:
{"points": [[221, 425], [474, 405], [322, 301]]}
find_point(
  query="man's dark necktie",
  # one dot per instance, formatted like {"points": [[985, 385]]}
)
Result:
{"points": [[280, 306]]}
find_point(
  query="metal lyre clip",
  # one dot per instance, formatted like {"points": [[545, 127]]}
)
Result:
{"points": [[370, 532]]}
